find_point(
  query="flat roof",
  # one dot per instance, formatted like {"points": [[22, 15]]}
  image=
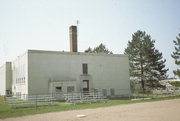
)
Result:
{"points": [[74, 53]]}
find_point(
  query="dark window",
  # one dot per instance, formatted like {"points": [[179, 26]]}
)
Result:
{"points": [[104, 92], [58, 89], [112, 92], [85, 68], [70, 89]]}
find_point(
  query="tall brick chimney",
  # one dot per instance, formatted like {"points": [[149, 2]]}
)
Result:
{"points": [[73, 38]]}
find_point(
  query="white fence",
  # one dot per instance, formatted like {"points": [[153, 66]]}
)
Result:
{"points": [[30, 101], [84, 97], [171, 91]]}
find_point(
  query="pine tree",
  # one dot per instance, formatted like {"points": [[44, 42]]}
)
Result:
{"points": [[89, 50], [176, 56], [134, 50], [99, 49], [146, 64], [155, 65]]}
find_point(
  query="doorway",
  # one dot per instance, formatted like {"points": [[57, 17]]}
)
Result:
{"points": [[85, 85]]}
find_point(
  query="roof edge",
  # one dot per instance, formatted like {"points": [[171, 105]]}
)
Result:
{"points": [[73, 53]]}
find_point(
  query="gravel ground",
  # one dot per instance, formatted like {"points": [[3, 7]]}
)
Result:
{"points": [[168, 110]]}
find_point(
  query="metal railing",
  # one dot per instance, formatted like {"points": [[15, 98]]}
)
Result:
{"points": [[84, 97], [30, 101]]}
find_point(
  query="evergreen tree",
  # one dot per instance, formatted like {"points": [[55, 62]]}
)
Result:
{"points": [[134, 50], [155, 65], [176, 56], [89, 50], [146, 64], [99, 49]]}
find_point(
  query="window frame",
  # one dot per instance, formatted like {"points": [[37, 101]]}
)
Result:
{"points": [[85, 68]]}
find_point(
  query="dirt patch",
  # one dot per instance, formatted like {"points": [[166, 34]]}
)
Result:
{"points": [[151, 111]]}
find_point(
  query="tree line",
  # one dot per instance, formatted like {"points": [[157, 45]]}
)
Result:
{"points": [[147, 65]]}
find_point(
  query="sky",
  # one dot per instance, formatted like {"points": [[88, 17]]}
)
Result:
{"points": [[44, 25]]}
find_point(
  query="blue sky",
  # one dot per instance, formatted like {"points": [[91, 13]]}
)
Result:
{"points": [[44, 24]]}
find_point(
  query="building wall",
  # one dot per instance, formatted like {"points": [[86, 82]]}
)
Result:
{"points": [[104, 71], [20, 75], [5, 78]]}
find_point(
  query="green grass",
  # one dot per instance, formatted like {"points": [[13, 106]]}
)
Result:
{"points": [[2, 98], [6, 111]]}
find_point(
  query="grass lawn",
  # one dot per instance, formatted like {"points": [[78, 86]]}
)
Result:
{"points": [[6, 111]]}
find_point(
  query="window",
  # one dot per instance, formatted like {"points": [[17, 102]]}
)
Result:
{"points": [[104, 92], [18, 93], [70, 89], [112, 92], [58, 89], [85, 68]]}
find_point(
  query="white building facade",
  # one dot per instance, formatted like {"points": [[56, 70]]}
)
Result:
{"points": [[44, 72], [5, 79]]}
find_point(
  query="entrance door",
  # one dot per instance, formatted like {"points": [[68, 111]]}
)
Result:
{"points": [[85, 85]]}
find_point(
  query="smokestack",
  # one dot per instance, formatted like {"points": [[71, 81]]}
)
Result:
{"points": [[73, 38]]}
